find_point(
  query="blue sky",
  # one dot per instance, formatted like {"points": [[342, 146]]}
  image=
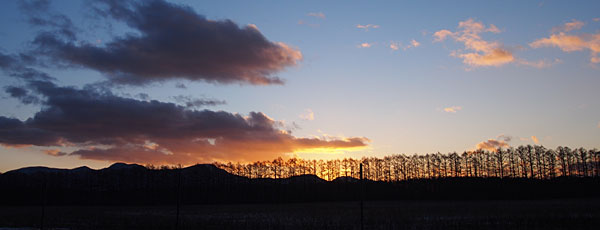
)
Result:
{"points": [[401, 100]]}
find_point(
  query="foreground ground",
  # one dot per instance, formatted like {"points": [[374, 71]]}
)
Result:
{"points": [[539, 214]]}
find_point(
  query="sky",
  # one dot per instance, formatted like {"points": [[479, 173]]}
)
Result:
{"points": [[181, 82]]}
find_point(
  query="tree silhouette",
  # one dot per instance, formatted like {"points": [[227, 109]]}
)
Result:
{"points": [[534, 162]]}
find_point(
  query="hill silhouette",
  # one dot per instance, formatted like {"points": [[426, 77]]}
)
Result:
{"points": [[207, 184]]}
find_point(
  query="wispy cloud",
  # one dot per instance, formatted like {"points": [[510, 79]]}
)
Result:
{"points": [[492, 28], [452, 109], [572, 25], [54, 152], [367, 26], [320, 15], [398, 45], [313, 25], [483, 53], [308, 115], [504, 137], [570, 43], [540, 64]]}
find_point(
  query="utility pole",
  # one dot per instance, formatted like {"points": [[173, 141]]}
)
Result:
{"points": [[362, 226]]}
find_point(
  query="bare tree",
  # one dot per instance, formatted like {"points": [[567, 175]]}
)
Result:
{"points": [[535, 162]]}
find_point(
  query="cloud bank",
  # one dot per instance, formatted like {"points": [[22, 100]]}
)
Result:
{"points": [[103, 126], [172, 42]]}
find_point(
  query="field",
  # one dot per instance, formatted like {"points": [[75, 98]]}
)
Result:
{"points": [[538, 214]]}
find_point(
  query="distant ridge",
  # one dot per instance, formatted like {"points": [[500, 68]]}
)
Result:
{"points": [[123, 166], [134, 184], [115, 166], [44, 169], [346, 179], [36, 169]]}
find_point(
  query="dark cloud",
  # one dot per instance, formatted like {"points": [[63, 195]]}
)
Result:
{"points": [[173, 42], [108, 127], [14, 132], [180, 86], [143, 96], [22, 94], [38, 14], [17, 66], [191, 102]]}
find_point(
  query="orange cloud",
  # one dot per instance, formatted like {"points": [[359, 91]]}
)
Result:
{"points": [[570, 43], [496, 57], [253, 26], [291, 55], [441, 35], [365, 45], [415, 43], [54, 152], [248, 149], [484, 53], [492, 145], [535, 140], [452, 109], [573, 25]]}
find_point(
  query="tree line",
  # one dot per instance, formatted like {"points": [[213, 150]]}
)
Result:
{"points": [[533, 162]]}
